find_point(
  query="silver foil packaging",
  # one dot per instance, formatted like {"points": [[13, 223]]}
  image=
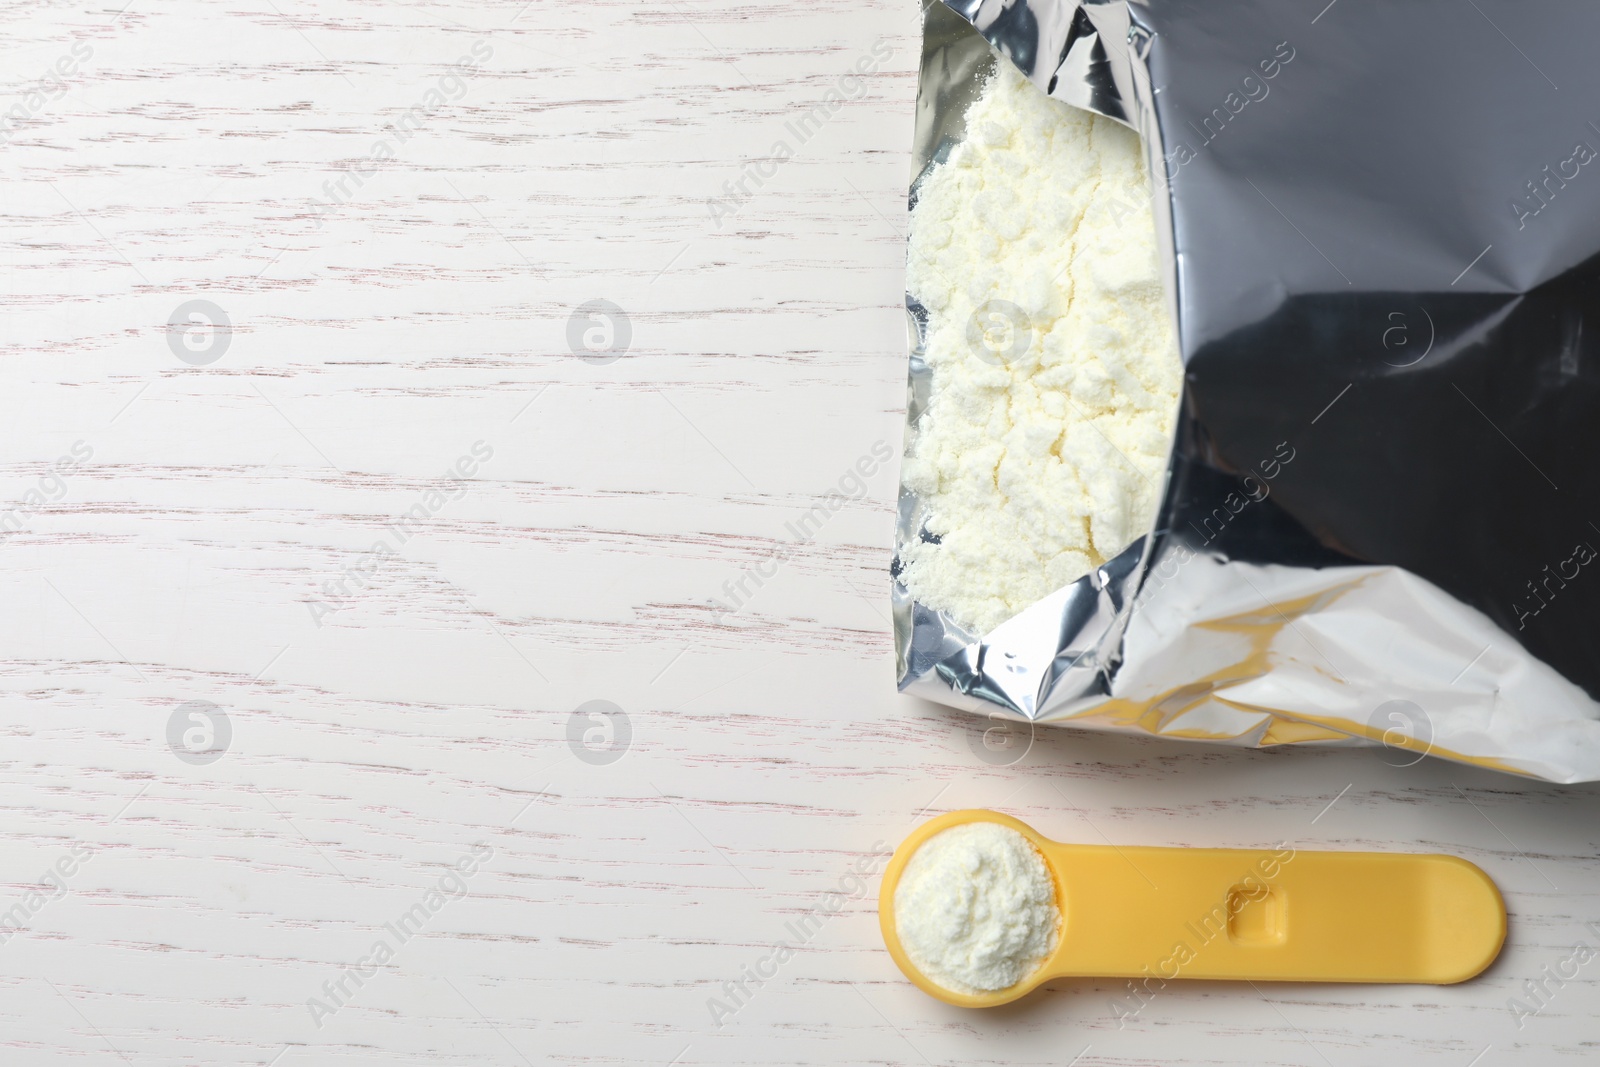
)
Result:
{"points": [[1381, 227]]}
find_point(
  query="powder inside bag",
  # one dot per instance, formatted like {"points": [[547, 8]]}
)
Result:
{"points": [[1055, 373], [975, 908]]}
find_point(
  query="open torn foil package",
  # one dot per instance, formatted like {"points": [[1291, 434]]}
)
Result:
{"points": [[1381, 258]]}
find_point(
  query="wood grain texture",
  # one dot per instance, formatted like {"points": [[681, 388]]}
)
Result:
{"points": [[192, 554]]}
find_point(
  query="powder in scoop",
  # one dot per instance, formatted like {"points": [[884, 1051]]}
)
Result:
{"points": [[975, 908], [1043, 449]]}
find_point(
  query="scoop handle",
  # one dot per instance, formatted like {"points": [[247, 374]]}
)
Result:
{"points": [[1272, 915]]}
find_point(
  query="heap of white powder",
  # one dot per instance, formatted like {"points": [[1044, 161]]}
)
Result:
{"points": [[1055, 374], [975, 908]]}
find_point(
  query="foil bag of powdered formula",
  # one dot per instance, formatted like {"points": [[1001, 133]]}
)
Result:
{"points": [[1381, 234]]}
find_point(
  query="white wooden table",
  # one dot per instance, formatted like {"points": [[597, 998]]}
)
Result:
{"points": [[397, 297]]}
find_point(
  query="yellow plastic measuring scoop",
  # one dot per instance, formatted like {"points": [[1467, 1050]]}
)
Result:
{"points": [[1281, 915]]}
